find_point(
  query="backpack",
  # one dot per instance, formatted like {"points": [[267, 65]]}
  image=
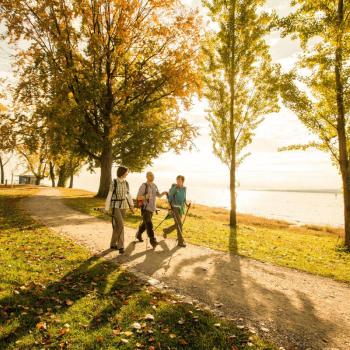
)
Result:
{"points": [[139, 202]]}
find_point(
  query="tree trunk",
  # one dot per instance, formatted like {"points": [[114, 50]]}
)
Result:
{"points": [[52, 175], [233, 210], [232, 140], [71, 180], [346, 198], [62, 176], [106, 171], [37, 180], [2, 172], [341, 124]]}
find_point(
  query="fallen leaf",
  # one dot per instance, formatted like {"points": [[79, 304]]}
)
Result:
{"points": [[149, 317], [116, 331], [183, 342], [217, 325], [181, 321], [128, 333], [63, 331], [99, 339], [136, 325], [41, 325], [69, 302], [125, 341], [172, 336]]}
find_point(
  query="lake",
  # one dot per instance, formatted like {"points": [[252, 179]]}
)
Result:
{"points": [[298, 207]]}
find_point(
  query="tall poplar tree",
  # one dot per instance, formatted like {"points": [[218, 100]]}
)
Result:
{"points": [[240, 80], [323, 104]]}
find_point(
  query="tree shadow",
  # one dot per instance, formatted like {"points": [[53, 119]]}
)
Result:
{"points": [[235, 285], [90, 277]]}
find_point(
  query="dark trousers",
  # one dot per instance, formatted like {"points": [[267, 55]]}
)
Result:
{"points": [[147, 224], [177, 225]]}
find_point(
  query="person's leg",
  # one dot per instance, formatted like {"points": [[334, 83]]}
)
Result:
{"points": [[142, 227], [149, 226], [178, 223], [116, 227], [120, 241], [117, 240], [169, 229]]}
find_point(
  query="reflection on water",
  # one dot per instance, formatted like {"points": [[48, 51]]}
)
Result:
{"points": [[299, 207]]}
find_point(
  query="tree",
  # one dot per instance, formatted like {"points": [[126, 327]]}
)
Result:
{"points": [[31, 143], [6, 139], [6, 142], [318, 89], [129, 67], [240, 80]]}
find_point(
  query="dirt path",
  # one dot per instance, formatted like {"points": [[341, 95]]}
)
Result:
{"points": [[295, 309]]}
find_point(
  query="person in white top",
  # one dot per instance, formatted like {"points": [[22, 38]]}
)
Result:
{"points": [[118, 201]]}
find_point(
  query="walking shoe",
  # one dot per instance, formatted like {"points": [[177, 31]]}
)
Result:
{"points": [[182, 245], [113, 247], [154, 244], [121, 251], [139, 236]]}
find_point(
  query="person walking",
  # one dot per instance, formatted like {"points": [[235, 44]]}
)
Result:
{"points": [[177, 202], [147, 195], [118, 201]]}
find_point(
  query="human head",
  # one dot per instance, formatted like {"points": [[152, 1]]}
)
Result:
{"points": [[150, 176], [122, 172], [180, 179]]}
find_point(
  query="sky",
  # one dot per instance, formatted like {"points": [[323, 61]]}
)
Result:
{"points": [[266, 168]]}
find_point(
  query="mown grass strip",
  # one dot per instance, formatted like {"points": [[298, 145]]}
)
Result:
{"points": [[54, 295]]}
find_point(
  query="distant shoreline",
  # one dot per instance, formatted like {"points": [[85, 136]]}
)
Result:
{"points": [[292, 190]]}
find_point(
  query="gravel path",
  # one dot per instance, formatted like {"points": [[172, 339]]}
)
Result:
{"points": [[294, 309]]}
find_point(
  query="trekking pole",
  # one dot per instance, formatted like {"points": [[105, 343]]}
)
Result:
{"points": [[188, 208], [161, 221]]}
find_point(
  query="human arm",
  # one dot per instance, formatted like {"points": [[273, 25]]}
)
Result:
{"points": [[109, 197], [171, 194]]}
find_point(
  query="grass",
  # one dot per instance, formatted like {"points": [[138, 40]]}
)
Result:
{"points": [[54, 295], [307, 248]]}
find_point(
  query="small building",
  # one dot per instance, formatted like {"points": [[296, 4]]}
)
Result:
{"points": [[26, 179]]}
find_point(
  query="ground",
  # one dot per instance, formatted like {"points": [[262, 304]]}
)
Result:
{"points": [[307, 248], [294, 309], [55, 295]]}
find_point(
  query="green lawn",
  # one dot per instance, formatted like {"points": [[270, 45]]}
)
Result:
{"points": [[54, 295], [309, 248]]}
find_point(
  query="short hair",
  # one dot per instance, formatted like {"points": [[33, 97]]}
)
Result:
{"points": [[149, 173], [121, 171], [180, 177]]}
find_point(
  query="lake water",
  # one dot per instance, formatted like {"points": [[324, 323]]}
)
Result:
{"points": [[298, 207]]}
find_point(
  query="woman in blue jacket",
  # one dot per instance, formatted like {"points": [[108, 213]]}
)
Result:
{"points": [[177, 202]]}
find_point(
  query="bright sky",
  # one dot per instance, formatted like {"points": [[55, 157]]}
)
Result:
{"points": [[266, 167]]}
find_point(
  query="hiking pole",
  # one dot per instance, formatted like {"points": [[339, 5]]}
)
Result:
{"points": [[162, 221], [188, 208]]}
